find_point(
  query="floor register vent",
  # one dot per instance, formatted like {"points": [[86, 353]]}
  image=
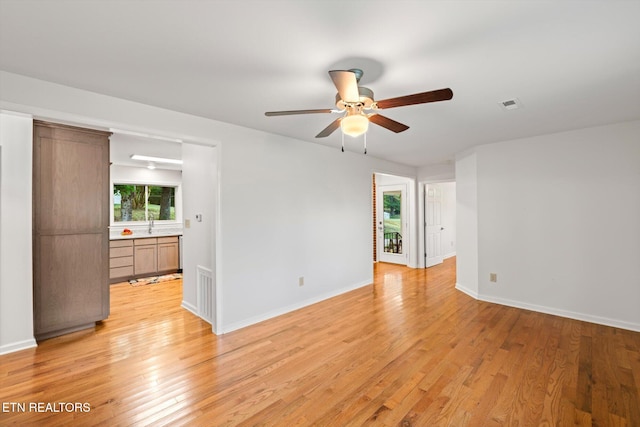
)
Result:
{"points": [[205, 293]]}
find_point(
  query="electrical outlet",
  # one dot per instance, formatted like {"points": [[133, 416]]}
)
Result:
{"points": [[301, 281], [187, 223], [493, 277]]}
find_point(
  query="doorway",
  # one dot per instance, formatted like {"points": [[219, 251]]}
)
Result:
{"points": [[439, 213], [433, 225], [395, 224], [392, 224]]}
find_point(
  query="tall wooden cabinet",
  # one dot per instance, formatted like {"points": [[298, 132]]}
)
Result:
{"points": [[70, 228]]}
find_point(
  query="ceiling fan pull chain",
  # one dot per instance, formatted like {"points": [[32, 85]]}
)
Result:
{"points": [[343, 142], [365, 143]]}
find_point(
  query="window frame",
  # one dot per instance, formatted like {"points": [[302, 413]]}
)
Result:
{"points": [[148, 183]]}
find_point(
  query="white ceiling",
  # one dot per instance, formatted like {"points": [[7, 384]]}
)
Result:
{"points": [[572, 64]]}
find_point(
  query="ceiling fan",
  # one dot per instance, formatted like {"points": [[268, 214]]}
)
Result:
{"points": [[360, 108]]}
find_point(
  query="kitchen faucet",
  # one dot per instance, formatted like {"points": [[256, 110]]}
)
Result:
{"points": [[150, 222]]}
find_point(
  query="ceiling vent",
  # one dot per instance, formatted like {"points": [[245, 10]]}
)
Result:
{"points": [[510, 104]]}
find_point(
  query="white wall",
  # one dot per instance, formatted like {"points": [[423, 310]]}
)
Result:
{"points": [[384, 179], [16, 278], [291, 209], [200, 183], [439, 172], [558, 221], [287, 208], [467, 223]]}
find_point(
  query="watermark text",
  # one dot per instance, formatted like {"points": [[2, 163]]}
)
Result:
{"points": [[50, 407]]}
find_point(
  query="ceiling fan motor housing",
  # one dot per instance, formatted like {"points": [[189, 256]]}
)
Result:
{"points": [[365, 101]]}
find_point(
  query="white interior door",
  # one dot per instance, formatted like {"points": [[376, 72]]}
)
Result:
{"points": [[433, 224], [392, 224]]}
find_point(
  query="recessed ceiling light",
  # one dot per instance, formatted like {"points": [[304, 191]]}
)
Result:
{"points": [[155, 159]]}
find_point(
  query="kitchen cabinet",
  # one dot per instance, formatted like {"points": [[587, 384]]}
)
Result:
{"points": [[70, 228], [168, 254], [120, 259], [145, 256]]}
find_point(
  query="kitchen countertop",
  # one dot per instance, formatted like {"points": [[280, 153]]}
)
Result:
{"points": [[145, 234]]}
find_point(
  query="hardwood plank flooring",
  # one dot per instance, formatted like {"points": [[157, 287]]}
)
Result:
{"points": [[408, 350]]}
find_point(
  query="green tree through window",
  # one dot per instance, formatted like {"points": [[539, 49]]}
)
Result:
{"points": [[135, 202]]}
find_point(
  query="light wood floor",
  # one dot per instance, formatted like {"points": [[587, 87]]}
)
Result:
{"points": [[409, 350]]}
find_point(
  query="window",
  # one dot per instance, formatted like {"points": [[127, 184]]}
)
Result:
{"points": [[141, 202]]}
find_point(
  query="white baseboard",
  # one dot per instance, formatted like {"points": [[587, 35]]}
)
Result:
{"points": [[449, 255], [190, 307], [284, 310], [616, 323], [17, 346], [467, 291]]}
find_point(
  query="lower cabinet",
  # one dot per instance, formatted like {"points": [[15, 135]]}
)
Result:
{"points": [[145, 256], [168, 254], [120, 258], [131, 258]]}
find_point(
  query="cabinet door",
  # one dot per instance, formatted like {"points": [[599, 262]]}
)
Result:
{"points": [[145, 259], [168, 258]]}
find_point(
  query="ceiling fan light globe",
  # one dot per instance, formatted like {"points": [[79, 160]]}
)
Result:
{"points": [[354, 125]]}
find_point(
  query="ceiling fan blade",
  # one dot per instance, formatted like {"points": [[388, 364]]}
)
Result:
{"points": [[289, 113], [417, 98], [347, 85], [387, 123], [329, 129]]}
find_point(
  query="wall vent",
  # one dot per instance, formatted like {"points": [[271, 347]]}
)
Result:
{"points": [[205, 293], [510, 104]]}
